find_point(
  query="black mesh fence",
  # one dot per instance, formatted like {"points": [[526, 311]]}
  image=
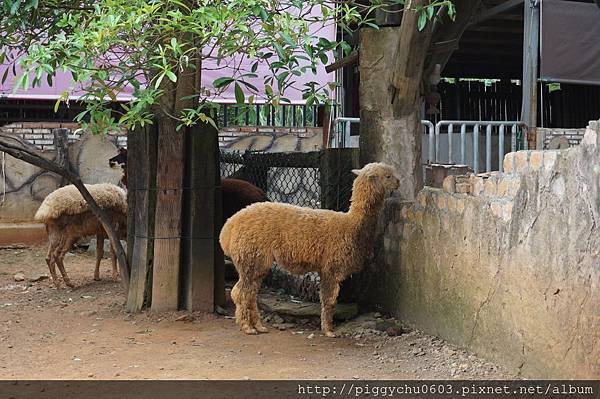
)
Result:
{"points": [[293, 178]]}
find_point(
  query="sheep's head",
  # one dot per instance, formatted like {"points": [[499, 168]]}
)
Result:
{"points": [[379, 175]]}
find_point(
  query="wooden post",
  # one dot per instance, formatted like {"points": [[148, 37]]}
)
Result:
{"points": [[531, 47], [167, 241], [203, 271], [141, 176], [336, 177]]}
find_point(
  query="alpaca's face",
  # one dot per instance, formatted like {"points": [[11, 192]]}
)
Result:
{"points": [[381, 174]]}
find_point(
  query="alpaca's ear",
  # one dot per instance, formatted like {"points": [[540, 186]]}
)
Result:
{"points": [[356, 171]]}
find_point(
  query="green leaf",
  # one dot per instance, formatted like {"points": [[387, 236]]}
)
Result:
{"points": [[172, 77], [422, 21], [239, 94], [222, 82], [5, 75]]}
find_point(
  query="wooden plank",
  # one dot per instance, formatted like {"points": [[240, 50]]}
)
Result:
{"points": [[167, 245], [203, 282], [141, 170]]}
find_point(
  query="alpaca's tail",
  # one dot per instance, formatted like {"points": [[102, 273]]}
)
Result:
{"points": [[225, 237]]}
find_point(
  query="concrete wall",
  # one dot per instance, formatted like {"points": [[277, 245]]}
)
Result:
{"points": [[23, 186], [506, 264]]}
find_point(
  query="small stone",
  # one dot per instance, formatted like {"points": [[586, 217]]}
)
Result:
{"points": [[536, 159], [19, 277], [394, 331], [90, 375], [449, 184], [259, 353], [355, 377], [246, 378], [509, 162], [117, 374], [185, 317], [174, 342], [311, 336], [39, 278], [463, 188], [521, 160]]}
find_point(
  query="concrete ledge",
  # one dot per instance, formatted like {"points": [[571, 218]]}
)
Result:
{"points": [[28, 234]]}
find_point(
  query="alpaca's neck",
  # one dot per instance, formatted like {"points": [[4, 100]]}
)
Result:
{"points": [[365, 204]]}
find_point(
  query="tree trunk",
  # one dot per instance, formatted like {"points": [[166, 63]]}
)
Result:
{"points": [[390, 129]]}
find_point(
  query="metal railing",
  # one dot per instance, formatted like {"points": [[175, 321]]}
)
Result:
{"points": [[518, 131], [341, 132], [342, 126]]}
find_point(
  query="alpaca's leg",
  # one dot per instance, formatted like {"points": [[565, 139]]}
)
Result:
{"points": [[99, 255], [329, 291], [51, 260], [239, 295], [254, 312], [59, 260]]}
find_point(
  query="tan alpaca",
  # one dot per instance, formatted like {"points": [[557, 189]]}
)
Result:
{"points": [[302, 240], [68, 217]]}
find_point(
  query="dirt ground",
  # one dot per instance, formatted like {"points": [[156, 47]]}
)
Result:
{"points": [[85, 333]]}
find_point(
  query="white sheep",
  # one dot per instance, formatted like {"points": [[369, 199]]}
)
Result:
{"points": [[302, 240], [68, 217]]}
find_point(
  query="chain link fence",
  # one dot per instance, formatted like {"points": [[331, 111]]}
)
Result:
{"points": [[293, 178]]}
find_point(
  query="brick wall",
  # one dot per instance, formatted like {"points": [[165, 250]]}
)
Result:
{"points": [[40, 133], [574, 136]]}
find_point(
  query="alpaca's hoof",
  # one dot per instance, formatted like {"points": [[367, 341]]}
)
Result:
{"points": [[69, 284], [56, 284], [249, 331], [96, 278], [261, 329], [330, 334]]}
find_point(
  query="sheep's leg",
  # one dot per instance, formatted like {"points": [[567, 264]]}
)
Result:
{"points": [[329, 291], [51, 262], [113, 257], [59, 261], [99, 255]]}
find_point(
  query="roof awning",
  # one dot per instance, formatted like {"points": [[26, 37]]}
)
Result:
{"points": [[570, 42]]}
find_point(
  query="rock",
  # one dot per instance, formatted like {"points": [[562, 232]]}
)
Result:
{"points": [[19, 277], [284, 326], [305, 310], [277, 319], [185, 317], [311, 336], [394, 331], [41, 277]]}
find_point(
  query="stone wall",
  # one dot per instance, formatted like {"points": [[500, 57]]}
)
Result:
{"points": [[505, 264], [23, 186], [271, 139]]}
